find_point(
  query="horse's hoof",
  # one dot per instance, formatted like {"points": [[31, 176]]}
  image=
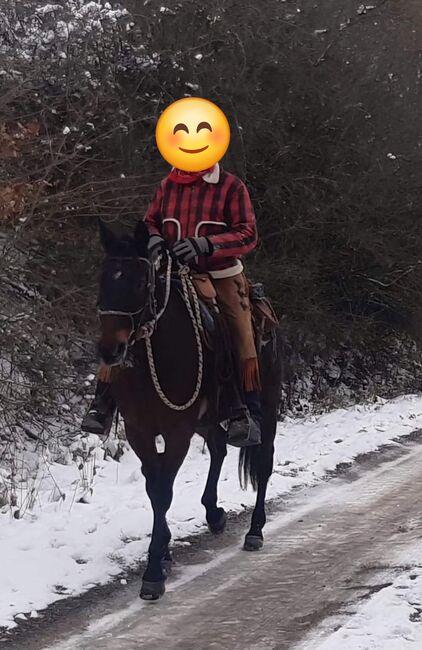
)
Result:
{"points": [[253, 543], [167, 566], [152, 590], [217, 527]]}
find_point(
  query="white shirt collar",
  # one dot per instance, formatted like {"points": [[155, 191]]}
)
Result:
{"points": [[213, 176]]}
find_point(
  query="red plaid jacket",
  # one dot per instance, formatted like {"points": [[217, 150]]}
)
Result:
{"points": [[221, 211]]}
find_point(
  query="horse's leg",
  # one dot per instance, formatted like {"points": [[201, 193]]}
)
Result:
{"points": [[160, 470], [216, 517], [263, 458], [160, 491]]}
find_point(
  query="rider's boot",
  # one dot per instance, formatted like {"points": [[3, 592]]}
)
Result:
{"points": [[100, 416], [245, 424]]}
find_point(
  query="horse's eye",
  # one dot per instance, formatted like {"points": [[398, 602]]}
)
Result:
{"points": [[117, 275]]}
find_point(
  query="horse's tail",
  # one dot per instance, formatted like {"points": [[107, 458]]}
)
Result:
{"points": [[249, 463]]}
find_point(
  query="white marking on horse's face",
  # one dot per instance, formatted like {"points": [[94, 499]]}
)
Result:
{"points": [[117, 275]]}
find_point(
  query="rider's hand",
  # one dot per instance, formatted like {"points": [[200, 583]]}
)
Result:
{"points": [[156, 247], [187, 249]]}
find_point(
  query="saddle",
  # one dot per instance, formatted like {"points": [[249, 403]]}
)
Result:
{"points": [[264, 317]]}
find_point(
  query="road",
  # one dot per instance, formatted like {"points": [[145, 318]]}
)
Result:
{"points": [[328, 546]]}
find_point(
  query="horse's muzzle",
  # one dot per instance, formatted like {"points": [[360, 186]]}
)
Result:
{"points": [[113, 353]]}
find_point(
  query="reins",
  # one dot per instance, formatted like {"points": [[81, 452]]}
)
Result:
{"points": [[189, 296], [146, 330]]}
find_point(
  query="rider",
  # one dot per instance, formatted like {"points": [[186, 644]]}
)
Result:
{"points": [[207, 219]]}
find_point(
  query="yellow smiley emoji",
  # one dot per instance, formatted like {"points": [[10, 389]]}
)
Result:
{"points": [[192, 134]]}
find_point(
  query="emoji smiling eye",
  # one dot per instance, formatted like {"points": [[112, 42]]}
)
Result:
{"points": [[203, 125], [180, 127]]}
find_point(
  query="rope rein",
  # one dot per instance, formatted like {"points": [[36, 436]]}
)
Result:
{"points": [[191, 301]]}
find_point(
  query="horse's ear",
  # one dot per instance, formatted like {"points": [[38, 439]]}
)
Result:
{"points": [[107, 236], [141, 236]]}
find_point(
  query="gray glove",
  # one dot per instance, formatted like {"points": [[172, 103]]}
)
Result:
{"points": [[187, 249], [156, 247]]}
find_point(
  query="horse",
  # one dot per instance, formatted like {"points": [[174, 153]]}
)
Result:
{"points": [[147, 327]]}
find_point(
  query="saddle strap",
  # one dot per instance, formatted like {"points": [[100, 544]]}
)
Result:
{"points": [[266, 311]]}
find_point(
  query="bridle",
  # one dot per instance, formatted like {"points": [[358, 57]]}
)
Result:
{"points": [[139, 325]]}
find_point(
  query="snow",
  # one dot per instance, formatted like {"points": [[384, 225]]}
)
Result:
{"points": [[167, 10], [47, 9], [84, 523], [390, 620], [32, 31]]}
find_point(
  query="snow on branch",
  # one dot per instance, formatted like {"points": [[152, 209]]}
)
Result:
{"points": [[34, 30]]}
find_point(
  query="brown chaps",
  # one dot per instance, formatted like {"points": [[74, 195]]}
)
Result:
{"points": [[233, 300]]}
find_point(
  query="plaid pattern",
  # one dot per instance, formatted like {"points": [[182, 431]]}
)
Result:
{"points": [[221, 211]]}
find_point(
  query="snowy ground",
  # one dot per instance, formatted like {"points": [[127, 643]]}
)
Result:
{"points": [[390, 620], [62, 547]]}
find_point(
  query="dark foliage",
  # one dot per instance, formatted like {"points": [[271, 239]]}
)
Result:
{"points": [[325, 131]]}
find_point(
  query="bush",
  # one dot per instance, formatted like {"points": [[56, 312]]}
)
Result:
{"points": [[320, 132]]}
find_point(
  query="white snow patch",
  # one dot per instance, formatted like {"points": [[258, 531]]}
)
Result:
{"points": [[66, 544], [390, 620], [47, 9]]}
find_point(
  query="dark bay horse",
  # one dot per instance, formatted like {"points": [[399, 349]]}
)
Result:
{"points": [[131, 299]]}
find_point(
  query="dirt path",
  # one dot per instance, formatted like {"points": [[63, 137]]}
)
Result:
{"points": [[330, 546]]}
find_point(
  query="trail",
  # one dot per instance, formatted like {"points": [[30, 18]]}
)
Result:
{"points": [[331, 544]]}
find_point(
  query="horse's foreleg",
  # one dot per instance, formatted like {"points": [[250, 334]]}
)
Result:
{"points": [[160, 492], [160, 472], [254, 539], [216, 517]]}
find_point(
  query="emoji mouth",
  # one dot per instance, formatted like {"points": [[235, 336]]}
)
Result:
{"points": [[194, 150]]}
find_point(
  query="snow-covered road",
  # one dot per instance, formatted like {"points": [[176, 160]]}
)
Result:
{"points": [[63, 547], [332, 547]]}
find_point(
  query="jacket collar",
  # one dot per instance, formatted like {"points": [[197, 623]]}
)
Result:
{"points": [[213, 176]]}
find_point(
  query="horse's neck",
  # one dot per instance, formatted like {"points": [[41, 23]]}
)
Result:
{"points": [[175, 315], [174, 331], [175, 351]]}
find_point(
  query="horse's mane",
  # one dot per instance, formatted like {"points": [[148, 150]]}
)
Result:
{"points": [[124, 246], [118, 242]]}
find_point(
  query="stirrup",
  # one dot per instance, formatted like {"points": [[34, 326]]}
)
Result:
{"points": [[98, 423], [244, 431]]}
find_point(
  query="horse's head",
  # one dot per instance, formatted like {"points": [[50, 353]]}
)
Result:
{"points": [[126, 291]]}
